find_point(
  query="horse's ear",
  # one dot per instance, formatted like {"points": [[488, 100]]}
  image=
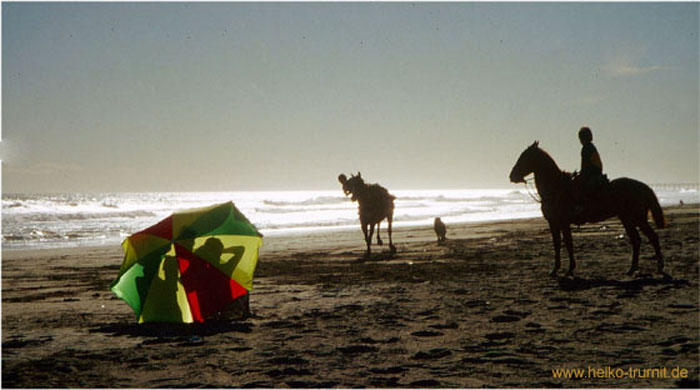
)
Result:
{"points": [[342, 178], [536, 144], [359, 174]]}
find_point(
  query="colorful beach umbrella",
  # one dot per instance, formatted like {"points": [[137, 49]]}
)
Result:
{"points": [[188, 266]]}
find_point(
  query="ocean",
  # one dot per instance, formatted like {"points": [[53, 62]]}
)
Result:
{"points": [[81, 219]]}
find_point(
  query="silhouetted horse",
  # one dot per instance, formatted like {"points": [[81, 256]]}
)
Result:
{"points": [[376, 203], [628, 199]]}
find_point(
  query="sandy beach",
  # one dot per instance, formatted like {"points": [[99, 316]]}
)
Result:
{"points": [[478, 311]]}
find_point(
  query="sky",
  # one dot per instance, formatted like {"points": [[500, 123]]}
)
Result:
{"points": [[286, 96]]}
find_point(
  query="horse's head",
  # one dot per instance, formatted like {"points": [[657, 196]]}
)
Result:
{"points": [[351, 185], [525, 164]]}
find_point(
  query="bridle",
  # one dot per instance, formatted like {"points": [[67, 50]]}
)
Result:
{"points": [[534, 194], [531, 190]]}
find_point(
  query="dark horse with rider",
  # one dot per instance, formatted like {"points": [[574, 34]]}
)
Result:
{"points": [[589, 197]]}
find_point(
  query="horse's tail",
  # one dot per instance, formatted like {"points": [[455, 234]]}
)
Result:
{"points": [[656, 212]]}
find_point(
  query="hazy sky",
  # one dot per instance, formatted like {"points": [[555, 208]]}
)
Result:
{"points": [[272, 96]]}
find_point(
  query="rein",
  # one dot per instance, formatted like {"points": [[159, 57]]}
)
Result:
{"points": [[534, 194], [531, 190]]}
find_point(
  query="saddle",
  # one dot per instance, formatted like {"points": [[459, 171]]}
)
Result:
{"points": [[590, 195], [591, 187]]}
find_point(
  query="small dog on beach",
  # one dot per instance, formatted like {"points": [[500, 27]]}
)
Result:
{"points": [[440, 230]]}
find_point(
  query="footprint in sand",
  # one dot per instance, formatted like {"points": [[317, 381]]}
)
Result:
{"points": [[287, 361], [384, 382], [474, 360], [288, 371], [426, 333], [388, 370], [317, 385], [193, 341], [673, 341], [283, 324], [500, 336], [256, 385], [629, 362], [512, 361], [505, 318], [476, 303], [19, 341], [669, 351], [682, 308], [369, 340], [425, 383], [688, 383], [447, 325], [433, 354], [534, 327], [521, 314], [357, 349]]}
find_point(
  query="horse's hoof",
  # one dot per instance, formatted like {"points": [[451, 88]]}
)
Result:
{"points": [[570, 273], [393, 249], [553, 273], [666, 276], [380, 242], [632, 271]]}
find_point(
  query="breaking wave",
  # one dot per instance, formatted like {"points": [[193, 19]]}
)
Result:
{"points": [[54, 220]]}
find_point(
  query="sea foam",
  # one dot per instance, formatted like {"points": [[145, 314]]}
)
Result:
{"points": [[58, 220]]}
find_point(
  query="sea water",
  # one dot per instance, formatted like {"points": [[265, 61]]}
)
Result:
{"points": [[80, 219]]}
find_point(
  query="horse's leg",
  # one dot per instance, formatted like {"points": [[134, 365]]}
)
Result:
{"points": [[391, 243], [556, 239], [367, 238], [379, 240], [633, 234], [568, 241], [654, 239]]}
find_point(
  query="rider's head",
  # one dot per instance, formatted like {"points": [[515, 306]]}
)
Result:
{"points": [[585, 135]]}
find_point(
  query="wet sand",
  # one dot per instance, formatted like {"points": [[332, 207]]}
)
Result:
{"points": [[478, 311]]}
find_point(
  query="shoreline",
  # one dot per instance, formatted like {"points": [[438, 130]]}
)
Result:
{"points": [[283, 239], [284, 236], [477, 311]]}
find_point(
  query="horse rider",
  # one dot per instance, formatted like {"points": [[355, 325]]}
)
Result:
{"points": [[590, 180]]}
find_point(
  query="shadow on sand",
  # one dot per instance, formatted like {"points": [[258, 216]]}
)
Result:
{"points": [[377, 256], [209, 328], [578, 284]]}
